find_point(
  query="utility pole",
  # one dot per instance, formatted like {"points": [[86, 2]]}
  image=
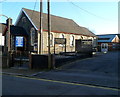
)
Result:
{"points": [[49, 26], [9, 20], [9, 23], [40, 31]]}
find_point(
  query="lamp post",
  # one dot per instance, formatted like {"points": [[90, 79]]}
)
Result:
{"points": [[4, 15]]}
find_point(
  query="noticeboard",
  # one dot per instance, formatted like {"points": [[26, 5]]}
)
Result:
{"points": [[60, 41], [19, 41], [87, 42]]}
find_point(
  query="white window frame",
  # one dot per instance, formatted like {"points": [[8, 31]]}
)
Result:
{"points": [[51, 39], [32, 35], [24, 20], [72, 40], [61, 36]]}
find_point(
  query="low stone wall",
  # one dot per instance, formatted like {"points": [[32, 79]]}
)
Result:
{"points": [[65, 59], [4, 61], [39, 61]]}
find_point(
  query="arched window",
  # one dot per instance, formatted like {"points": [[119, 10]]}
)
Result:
{"points": [[71, 40], [61, 36], [32, 34], [51, 39], [24, 20]]}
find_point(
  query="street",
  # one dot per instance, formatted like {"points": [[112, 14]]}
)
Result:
{"points": [[59, 48], [28, 86], [92, 76]]}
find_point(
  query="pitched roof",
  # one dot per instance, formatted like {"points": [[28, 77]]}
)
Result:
{"points": [[106, 37], [58, 24], [15, 30]]}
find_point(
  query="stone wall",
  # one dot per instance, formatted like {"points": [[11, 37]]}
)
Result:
{"points": [[58, 47]]}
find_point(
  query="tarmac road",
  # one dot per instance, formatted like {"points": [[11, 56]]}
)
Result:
{"points": [[86, 76], [18, 85], [102, 63], [101, 70]]}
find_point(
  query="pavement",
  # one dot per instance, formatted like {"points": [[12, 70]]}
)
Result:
{"points": [[26, 71], [20, 71]]}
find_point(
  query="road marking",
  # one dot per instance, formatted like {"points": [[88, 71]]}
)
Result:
{"points": [[69, 83]]}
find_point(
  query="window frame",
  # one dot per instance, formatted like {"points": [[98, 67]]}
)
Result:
{"points": [[72, 40], [24, 20], [61, 36], [32, 33], [51, 39]]}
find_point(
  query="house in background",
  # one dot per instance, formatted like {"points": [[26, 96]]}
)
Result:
{"points": [[2, 28], [108, 42], [60, 28]]}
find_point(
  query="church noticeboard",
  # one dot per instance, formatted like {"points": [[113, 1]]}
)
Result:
{"points": [[60, 41], [19, 41]]}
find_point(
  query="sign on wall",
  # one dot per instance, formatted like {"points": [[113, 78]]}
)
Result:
{"points": [[19, 41], [60, 41]]}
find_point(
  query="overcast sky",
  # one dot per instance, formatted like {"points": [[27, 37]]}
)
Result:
{"points": [[99, 17]]}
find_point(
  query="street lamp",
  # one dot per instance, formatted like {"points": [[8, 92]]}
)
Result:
{"points": [[4, 15]]}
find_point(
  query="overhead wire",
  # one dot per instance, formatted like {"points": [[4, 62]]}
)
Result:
{"points": [[33, 9], [88, 12]]}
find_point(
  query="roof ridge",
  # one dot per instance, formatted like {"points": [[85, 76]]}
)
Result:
{"points": [[107, 34], [46, 14], [63, 24]]}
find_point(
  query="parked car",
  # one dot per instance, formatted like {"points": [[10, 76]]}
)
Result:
{"points": [[94, 49]]}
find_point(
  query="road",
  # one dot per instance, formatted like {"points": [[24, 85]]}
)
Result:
{"points": [[101, 70], [101, 63], [16, 85], [92, 76]]}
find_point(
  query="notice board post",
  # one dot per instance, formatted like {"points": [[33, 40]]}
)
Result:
{"points": [[19, 43]]}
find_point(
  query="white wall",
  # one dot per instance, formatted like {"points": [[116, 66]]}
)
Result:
{"points": [[1, 39]]}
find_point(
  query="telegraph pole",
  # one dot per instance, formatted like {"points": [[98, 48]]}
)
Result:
{"points": [[49, 26], [40, 31], [9, 37]]}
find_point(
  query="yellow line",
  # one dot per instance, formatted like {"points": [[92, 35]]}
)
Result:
{"points": [[70, 83]]}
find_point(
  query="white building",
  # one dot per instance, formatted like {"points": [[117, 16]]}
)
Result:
{"points": [[1, 37]]}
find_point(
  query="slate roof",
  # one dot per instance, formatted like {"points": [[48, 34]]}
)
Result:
{"points": [[14, 30], [58, 24], [106, 37]]}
